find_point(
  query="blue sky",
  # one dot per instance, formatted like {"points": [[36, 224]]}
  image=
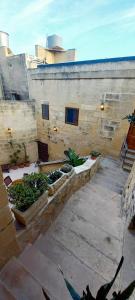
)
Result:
{"points": [[96, 28]]}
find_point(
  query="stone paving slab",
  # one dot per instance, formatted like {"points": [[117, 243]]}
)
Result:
{"points": [[86, 237]]}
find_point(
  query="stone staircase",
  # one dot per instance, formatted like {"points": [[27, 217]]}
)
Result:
{"points": [[86, 240], [129, 159]]}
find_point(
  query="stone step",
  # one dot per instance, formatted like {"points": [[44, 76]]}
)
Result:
{"points": [[127, 167], [45, 271], [131, 151], [5, 294], [128, 162], [87, 254], [130, 156], [20, 282], [108, 184], [74, 270]]}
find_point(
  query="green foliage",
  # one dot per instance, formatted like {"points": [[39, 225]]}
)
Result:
{"points": [[66, 168], [16, 150], [53, 176], [14, 157], [95, 153], [25, 194], [36, 181], [74, 159], [130, 118]]}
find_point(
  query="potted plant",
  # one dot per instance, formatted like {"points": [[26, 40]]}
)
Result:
{"points": [[94, 154], [130, 118], [55, 180], [29, 197], [74, 159], [67, 170]]}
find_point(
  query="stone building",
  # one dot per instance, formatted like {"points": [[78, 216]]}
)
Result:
{"points": [[54, 52], [68, 98]]}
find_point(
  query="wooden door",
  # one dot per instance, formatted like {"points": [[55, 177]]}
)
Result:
{"points": [[43, 151], [131, 137]]}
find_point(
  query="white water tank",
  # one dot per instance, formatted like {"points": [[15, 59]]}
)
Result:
{"points": [[54, 41], [4, 39]]}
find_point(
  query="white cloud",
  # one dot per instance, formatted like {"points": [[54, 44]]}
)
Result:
{"points": [[33, 8]]}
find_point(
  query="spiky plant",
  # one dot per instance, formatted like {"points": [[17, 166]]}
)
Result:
{"points": [[102, 292]]}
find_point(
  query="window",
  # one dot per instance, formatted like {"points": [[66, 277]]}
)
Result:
{"points": [[71, 115], [45, 111]]}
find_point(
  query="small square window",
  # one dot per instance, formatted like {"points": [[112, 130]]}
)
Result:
{"points": [[45, 111], [71, 116]]}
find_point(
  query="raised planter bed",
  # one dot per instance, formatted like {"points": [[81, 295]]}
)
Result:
{"points": [[69, 173], [26, 216], [56, 185]]}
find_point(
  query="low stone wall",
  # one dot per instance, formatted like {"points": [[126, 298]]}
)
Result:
{"points": [[51, 166], [128, 197], [48, 214]]}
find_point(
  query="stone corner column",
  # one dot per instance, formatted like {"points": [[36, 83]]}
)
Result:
{"points": [[8, 242]]}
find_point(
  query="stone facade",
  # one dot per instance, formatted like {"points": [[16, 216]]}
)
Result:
{"points": [[8, 242], [84, 85], [21, 118], [51, 56], [13, 71], [128, 198]]}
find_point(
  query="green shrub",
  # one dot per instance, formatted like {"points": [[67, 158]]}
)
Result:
{"points": [[23, 196], [53, 176], [66, 168], [36, 181], [74, 159]]}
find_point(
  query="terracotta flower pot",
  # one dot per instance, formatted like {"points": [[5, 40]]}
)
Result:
{"points": [[93, 157]]}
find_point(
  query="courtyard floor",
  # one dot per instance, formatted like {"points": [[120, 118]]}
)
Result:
{"points": [[86, 240]]}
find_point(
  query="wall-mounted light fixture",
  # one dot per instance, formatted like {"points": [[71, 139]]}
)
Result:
{"points": [[55, 129], [9, 130], [102, 107]]}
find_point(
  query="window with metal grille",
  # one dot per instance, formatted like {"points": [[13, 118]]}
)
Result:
{"points": [[71, 116], [45, 111]]}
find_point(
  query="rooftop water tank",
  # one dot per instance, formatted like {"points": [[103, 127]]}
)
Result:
{"points": [[54, 41], [4, 39]]}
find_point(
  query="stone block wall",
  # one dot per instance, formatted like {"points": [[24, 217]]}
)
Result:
{"points": [[84, 87], [128, 197], [21, 118], [8, 242]]}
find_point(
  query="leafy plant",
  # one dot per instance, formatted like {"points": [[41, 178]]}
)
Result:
{"points": [[66, 168], [36, 181], [74, 159], [95, 153], [23, 196], [130, 118], [53, 176], [16, 150]]}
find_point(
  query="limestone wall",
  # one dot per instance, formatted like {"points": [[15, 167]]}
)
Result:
{"points": [[20, 117], [128, 198], [8, 242], [56, 56], [13, 71], [84, 86]]}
